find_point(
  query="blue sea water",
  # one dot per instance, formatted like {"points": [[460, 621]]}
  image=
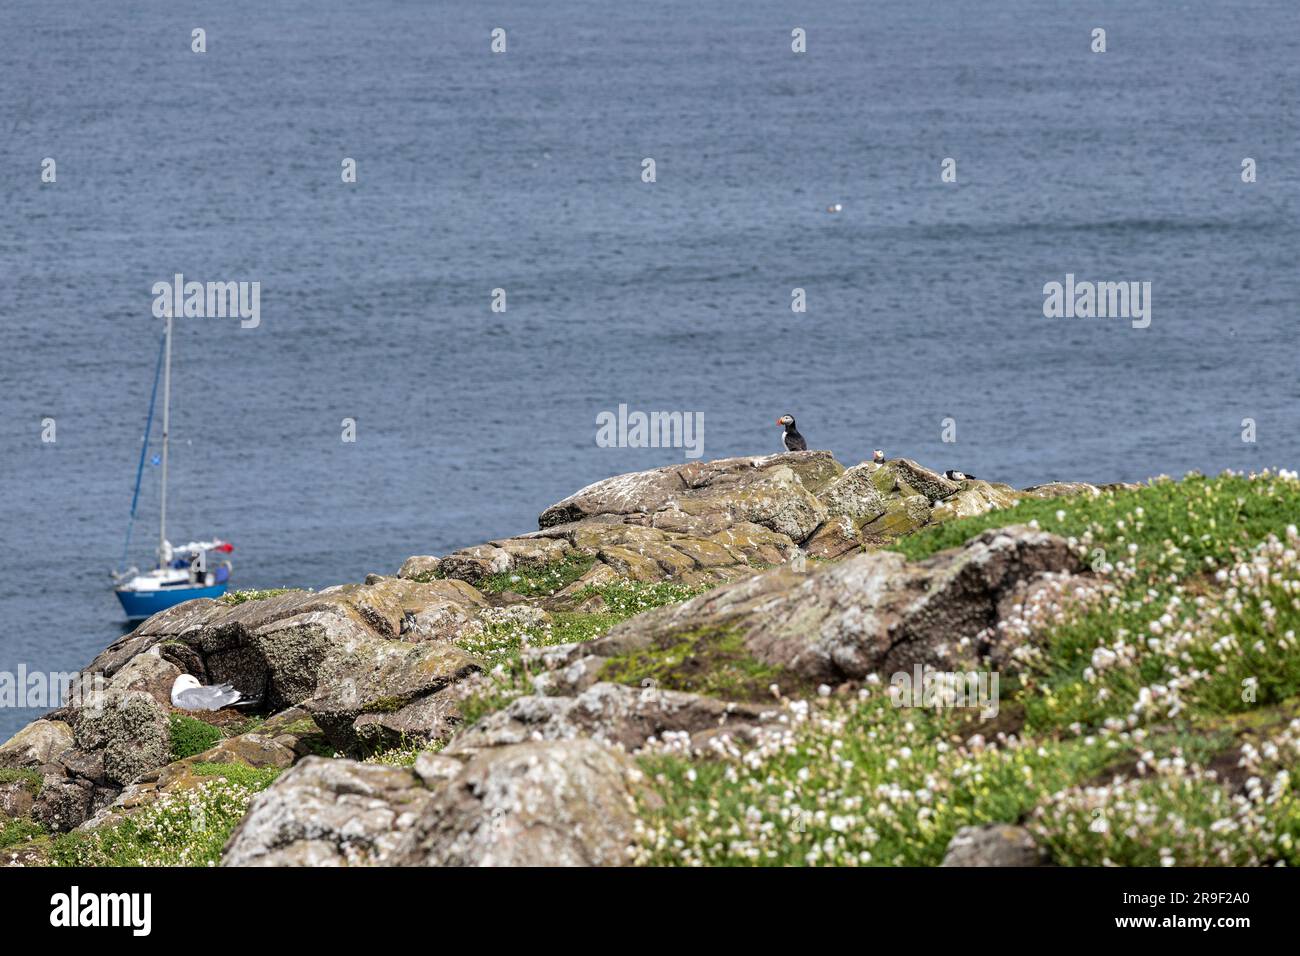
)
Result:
{"points": [[522, 171]]}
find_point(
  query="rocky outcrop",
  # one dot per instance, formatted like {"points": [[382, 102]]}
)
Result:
{"points": [[118, 735], [627, 717], [420, 567], [705, 522], [328, 813], [121, 739], [361, 667], [993, 845], [554, 803], [874, 613], [38, 743], [366, 664], [374, 694], [363, 659]]}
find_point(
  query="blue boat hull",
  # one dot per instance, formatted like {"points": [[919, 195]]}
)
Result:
{"points": [[141, 604]]}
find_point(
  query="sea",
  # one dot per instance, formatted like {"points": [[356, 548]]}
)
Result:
{"points": [[523, 169]]}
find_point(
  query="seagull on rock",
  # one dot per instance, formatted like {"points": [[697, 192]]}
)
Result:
{"points": [[793, 440], [189, 694]]}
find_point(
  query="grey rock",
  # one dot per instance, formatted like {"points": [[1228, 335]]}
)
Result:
{"points": [[624, 716], [36, 744], [420, 566], [62, 804], [993, 845], [328, 813], [130, 728], [873, 613], [558, 803]]}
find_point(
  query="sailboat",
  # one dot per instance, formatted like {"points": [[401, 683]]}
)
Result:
{"points": [[182, 573]]}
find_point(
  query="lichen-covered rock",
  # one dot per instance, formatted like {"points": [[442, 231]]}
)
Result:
{"points": [[1061, 489], [63, 804], [776, 491], [625, 716], [130, 728], [295, 730], [436, 769], [993, 845], [975, 497], [435, 610], [837, 537], [533, 551], [420, 567], [254, 750], [328, 813], [922, 480], [148, 673], [284, 660], [225, 635], [36, 744], [855, 495], [553, 803], [373, 692], [873, 613], [902, 516], [17, 796], [474, 564]]}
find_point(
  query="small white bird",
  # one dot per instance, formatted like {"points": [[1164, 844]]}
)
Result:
{"points": [[189, 694]]}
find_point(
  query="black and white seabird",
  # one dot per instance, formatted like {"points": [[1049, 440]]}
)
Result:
{"points": [[793, 440], [878, 457], [958, 476]]}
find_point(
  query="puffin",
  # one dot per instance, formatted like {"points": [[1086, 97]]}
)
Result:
{"points": [[878, 457], [958, 476], [793, 440]]}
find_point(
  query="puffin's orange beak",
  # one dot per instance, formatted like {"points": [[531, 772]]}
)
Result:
{"points": [[778, 421]]}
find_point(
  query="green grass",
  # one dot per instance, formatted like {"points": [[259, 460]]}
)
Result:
{"points": [[253, 778], [713, 662], [541, 580], [862, 783], [191, 736], [20, 830], [1180, 651], [29, 778], [186, 828], [1206, 517], [623, 599], [507, 631]]}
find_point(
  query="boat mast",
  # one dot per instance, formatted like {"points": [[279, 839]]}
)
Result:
{"points": [[167, 406]]}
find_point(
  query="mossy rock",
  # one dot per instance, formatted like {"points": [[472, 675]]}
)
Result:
{"points": [[710, 660]]}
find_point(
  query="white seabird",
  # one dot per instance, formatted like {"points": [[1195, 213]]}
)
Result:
{"points": [[189, 694]]}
